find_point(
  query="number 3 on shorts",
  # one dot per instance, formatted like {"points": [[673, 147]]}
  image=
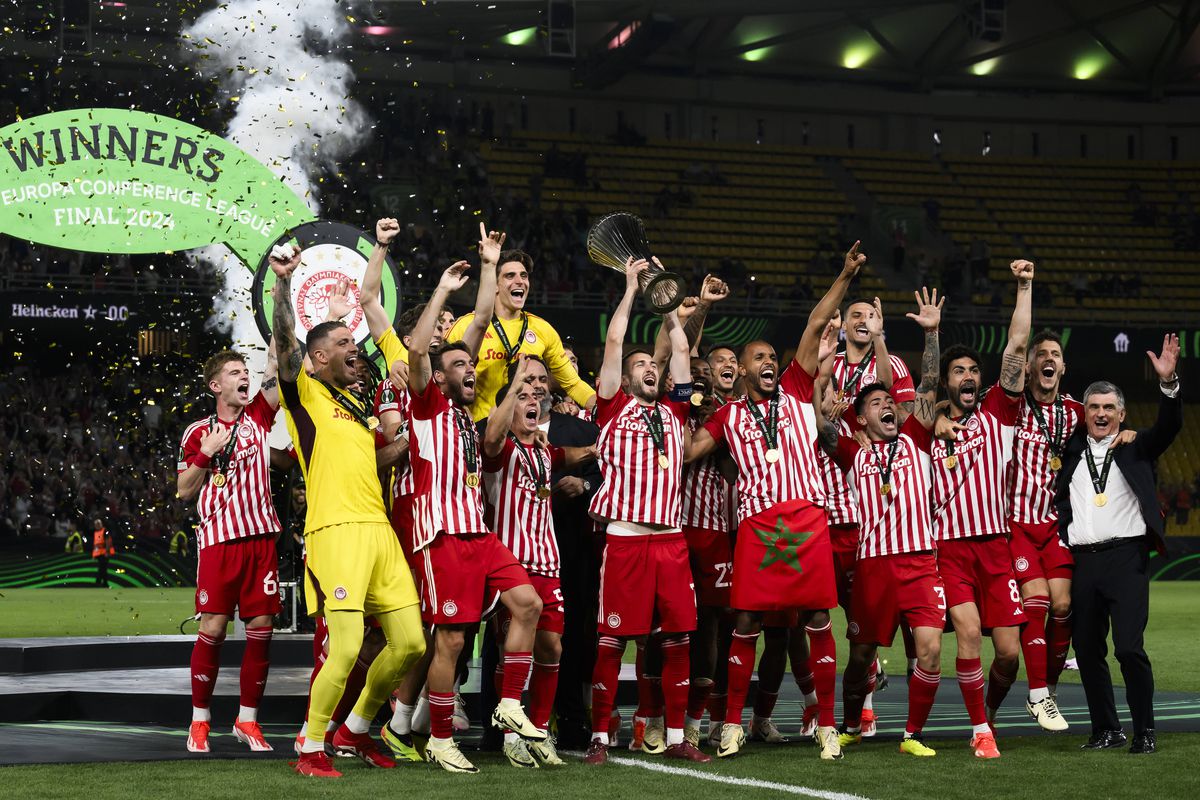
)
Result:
{"points": [[1013, 591], [270, 585], [941, 593]]}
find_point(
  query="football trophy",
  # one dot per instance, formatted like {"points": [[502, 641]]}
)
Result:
{"points": [[618, 237]]}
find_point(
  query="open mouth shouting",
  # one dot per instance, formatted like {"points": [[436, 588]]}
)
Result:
{"points": [[243, 391], [888, 418], [517, 293], [469, 382], [862, 331], [531, 415], [967, 393], [766, 375], [727, 375]]}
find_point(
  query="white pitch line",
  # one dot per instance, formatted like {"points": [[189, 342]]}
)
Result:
{"points": [[786, 788]]}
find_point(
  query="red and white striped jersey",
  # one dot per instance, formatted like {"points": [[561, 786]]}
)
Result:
{"points": [[705, 493], [636, 488], [844, 378], [443, 501], [512, 507], [898, 521], [797, 474], [1031, 481], [389, 397], [840, 506], [243, 506], [972, 498]]}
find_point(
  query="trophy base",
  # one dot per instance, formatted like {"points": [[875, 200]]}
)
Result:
{"points": [[669, 284]]}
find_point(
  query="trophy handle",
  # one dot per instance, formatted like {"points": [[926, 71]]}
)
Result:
{"points": [[670, 282]]}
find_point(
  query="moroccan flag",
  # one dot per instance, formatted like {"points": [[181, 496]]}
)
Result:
{"points": [[783, 560]]}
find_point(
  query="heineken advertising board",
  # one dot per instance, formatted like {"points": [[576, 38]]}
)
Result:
{"points": [[108, 180]]}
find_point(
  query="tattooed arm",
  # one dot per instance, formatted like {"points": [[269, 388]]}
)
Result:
{"points": [[928, 316], [270, 384], [283, 321], [827, 435], [1012, 366]]}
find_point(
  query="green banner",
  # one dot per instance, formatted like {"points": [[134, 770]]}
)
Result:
{"points": [[111, 180]]}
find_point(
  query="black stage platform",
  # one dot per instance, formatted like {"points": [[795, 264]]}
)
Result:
{"points": [[128, 698]]}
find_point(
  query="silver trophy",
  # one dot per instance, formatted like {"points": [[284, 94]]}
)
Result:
{"points": [[618, 237]]}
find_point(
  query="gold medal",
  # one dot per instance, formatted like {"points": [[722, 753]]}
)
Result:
{"points": [[663, 461], [1101, 500], [950, 462], [543, 492], [772, 455], [372, 423], [219, 480], [1055, 463], [697, 398], [472, 480], [885, 489]]}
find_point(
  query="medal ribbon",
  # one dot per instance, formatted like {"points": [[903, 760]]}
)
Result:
{"points": [[510, 352], [1056, 442], [950, 445], [885, 470], [770, 425], [1099, 481], [655, 424], [361, 413], [533, 463], [853, 380], [466, 432], [220, 461]]}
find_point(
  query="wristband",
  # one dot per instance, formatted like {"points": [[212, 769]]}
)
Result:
{"points": [[202, 461], [681, 393]]}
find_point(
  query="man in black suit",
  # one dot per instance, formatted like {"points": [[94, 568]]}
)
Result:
{"points": [[1109, 517]]}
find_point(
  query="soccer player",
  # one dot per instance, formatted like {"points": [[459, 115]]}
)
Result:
{"points": [[516, 477], [461, 564], [782, 558], [896, 572], [970, 512], [645, 580], [1042, 563], [354, 564], [724, 362], [509, 330], [224, 465]]}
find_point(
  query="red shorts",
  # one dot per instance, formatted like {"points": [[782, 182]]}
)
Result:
{"points": [[552, 619], [979, 570], [241, 574], [783, 560], [711, 557], [459, 573], [845, 553], [892, 589], [403, 523], [1038, 552], [646, 585]]}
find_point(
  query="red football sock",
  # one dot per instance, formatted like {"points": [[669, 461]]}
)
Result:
{"points": [[998, 685], [605, 675], [542, 687], [717, 704], [741, 664], [516, 672], [921, 691], [441, 715], [255, 664], [698, 698], [355, 682], [674, 682], [823, 659], [854, 694], [206, 659], [1033, 640], [1058, 637], [970, 683]]}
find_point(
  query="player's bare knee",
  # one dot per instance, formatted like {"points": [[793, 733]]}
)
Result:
{"points": [[449, 641], [1060, 606], [213, 625]]}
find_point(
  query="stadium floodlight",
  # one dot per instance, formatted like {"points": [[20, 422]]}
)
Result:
{"points": [[757, 54], [857, 55], [520, 37], [1088, 66], [984, 67]]}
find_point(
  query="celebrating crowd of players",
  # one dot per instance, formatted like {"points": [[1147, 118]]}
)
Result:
{"points": [[739, 497]]}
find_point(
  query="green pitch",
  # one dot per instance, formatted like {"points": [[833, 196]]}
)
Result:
{"points": [[133, 612], [1031, 767]]}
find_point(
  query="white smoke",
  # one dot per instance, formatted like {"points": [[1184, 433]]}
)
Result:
{"points": [[278, 63]]}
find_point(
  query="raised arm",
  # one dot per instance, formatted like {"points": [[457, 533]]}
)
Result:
{"points": [[826, 307], [883, 361], [377, 318], [1155, 441], [614, 342], [713, 290], [928, 316], [1012, 365], [662, 340], [283, 319], [490, 244], [419, 372], [681, 351], [270, 381], [500, 420]]}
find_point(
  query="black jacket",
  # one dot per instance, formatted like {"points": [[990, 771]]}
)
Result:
{"points": [[1137, 465]]}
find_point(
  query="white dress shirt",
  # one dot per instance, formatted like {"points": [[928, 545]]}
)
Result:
{"points": [[1119, 518]]}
